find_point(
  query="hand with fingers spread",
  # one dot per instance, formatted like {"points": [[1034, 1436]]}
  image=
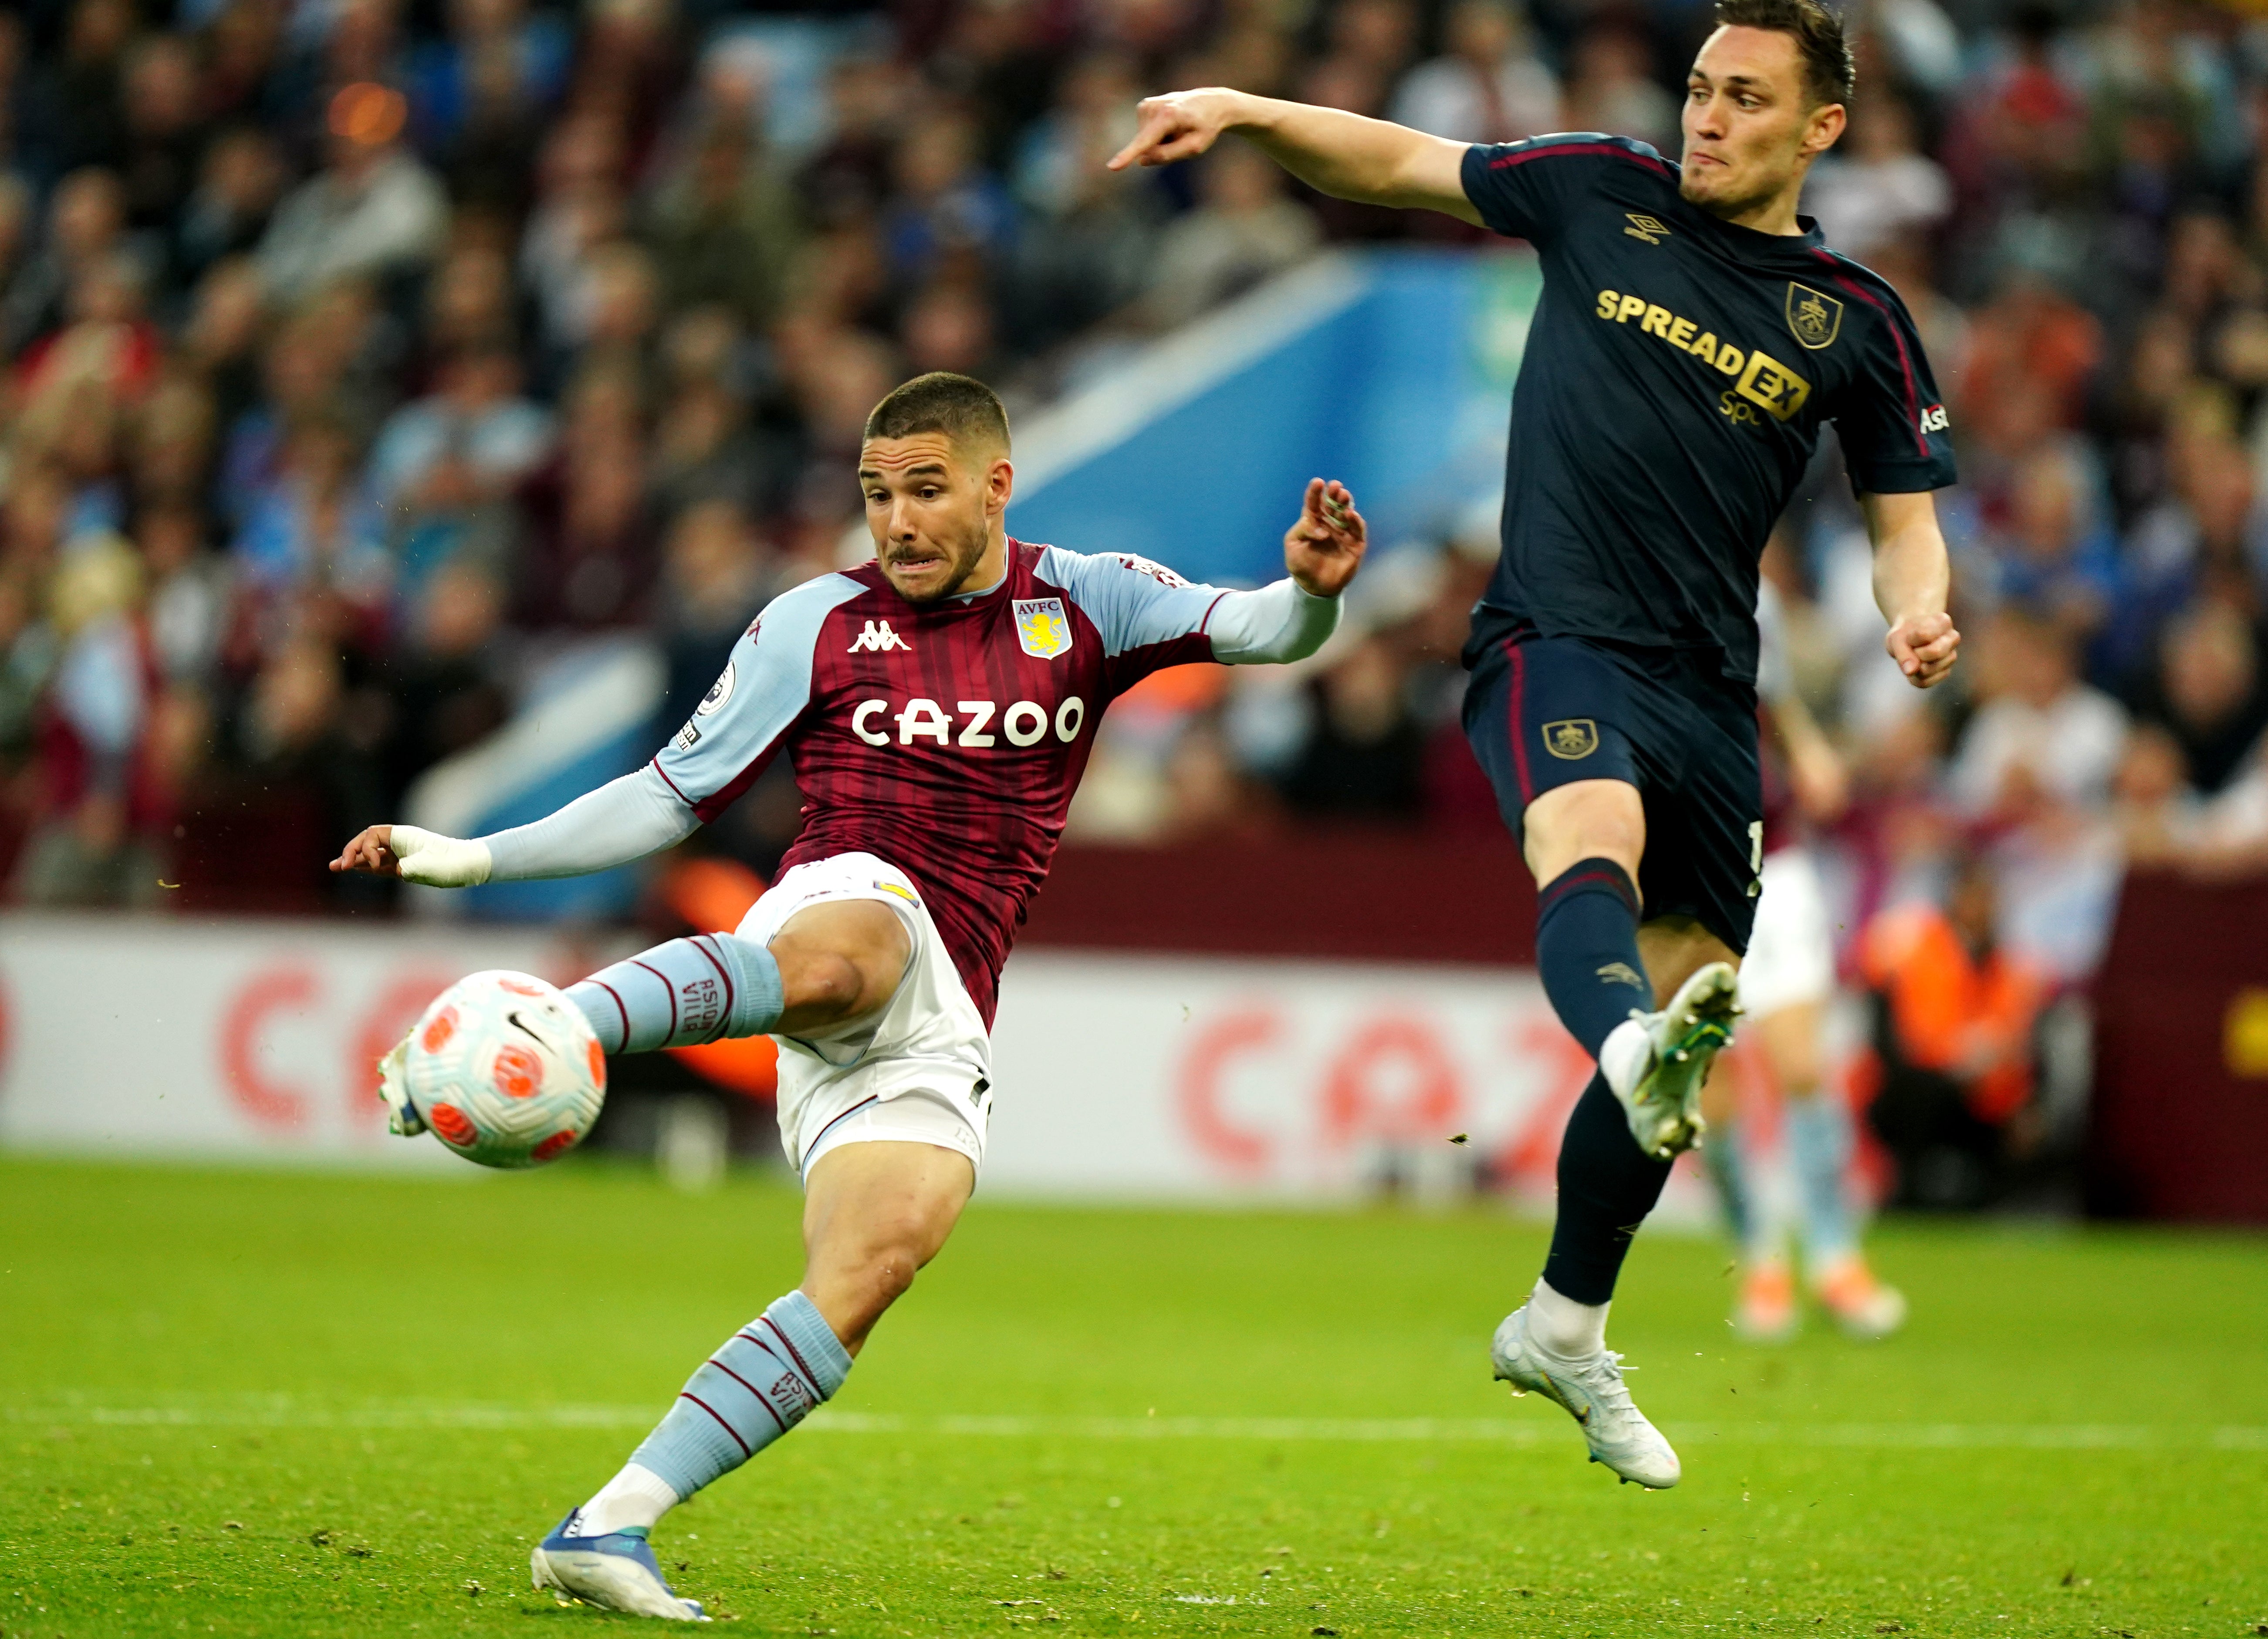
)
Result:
{"points": [[1925, 646], [1180, 126], [1325, 548]]}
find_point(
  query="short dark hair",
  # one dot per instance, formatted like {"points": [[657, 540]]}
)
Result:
{"points": [[961, 408], [1830, 75]]}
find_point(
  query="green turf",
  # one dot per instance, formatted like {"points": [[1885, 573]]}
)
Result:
{"points": [[249, 1404]]}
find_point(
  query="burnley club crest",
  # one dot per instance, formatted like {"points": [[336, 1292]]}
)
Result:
{"points": [[1815, 319], [1042, 628]]}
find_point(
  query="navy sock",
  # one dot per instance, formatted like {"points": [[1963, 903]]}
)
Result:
{"points": [[1607, 1186], [1586, 948]]}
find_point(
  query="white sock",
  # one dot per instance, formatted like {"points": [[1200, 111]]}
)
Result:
{"points": [[1626, 1055], [632, 1500], [1561, 1326]]}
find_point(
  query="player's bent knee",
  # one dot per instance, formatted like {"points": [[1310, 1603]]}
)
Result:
{"points": [[1586, 819]]}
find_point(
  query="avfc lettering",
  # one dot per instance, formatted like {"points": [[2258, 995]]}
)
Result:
{"points": [[1025, 723], [1761, 382]]}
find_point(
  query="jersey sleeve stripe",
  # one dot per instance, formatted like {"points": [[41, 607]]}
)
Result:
{"points": [[1615, 150], [1898, 334], [656, 766], [1205, 625]]}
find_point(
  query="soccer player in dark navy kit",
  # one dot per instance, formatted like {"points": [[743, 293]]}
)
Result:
{"points": [[1693, 334]]}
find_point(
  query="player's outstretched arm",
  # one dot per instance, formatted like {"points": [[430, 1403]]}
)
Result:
{"points": [[623, 820], [1912, 580], [1372, 161]]}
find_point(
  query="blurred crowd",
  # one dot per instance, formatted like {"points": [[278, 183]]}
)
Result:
{"points": [[365, 357]]}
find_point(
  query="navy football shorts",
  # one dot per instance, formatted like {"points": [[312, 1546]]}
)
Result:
{"points": [[1542, 712]]}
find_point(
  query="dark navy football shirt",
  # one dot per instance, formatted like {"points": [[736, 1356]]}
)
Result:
{"points": [[1676, 373]]}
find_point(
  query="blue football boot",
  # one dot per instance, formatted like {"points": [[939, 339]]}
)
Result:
{"points": [[617, 1572]]}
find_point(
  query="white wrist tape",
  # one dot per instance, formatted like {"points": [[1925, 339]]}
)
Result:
{"points": [[439, 862]]}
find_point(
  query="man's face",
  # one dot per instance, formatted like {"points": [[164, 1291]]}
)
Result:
{"points": [[931, 506], [1750, 128]]}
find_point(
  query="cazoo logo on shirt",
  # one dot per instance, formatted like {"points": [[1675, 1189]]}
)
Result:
{"points": [[1025, 723]]}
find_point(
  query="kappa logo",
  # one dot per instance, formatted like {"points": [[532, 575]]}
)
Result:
{"points": [[877, 639], [1645, 227], [1042, 628], [1815, 319], [1571, 740]]}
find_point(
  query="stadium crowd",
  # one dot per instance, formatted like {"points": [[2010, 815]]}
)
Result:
{"points": [[363, 355]]}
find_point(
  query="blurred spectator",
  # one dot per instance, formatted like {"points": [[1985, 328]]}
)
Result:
{"points": [[1242, 232], [1486, 86], [448, 689], [1876, 188], [85, 226], [2209, 698], [1364, 752], [2041, 734], [725, 227], [314, 529], [476, 436], [951, 210], [1949, 1077], [1611, 87], [373, 210]]}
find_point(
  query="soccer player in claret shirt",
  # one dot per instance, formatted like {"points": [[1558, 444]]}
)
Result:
{"points": [[1693, 335], [937, 705]]}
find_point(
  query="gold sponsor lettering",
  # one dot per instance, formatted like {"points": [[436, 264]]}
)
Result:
{"points": [[1772, 386], [1760, 381]]}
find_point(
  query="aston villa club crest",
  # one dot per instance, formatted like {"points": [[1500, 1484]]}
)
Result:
{"points": [[1042, 628], [1815, 319], [1571, 740]]}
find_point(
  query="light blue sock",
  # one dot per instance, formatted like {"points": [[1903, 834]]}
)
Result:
{"points": [[1745, 1213], [769, 1377], [683, 993], [1819, 1143]]}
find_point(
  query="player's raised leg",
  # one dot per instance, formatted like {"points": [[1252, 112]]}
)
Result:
{"points": [[1650, 1001]]}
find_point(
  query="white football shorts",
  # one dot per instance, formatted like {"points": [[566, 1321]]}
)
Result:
{"points": [[920, 1071], [1791, 958]]}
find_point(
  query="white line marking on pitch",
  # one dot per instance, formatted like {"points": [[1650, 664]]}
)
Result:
{"points": [[283, 1412]]}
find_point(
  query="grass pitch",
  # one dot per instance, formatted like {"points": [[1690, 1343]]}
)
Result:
{"points": [[245, 1404]]}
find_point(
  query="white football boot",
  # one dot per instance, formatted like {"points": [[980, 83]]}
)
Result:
{"points": [[1655, 1063], [615, 1572], [1591, 1392]]}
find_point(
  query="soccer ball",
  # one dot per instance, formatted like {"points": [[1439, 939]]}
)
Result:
{"points": [[504, 1070]]}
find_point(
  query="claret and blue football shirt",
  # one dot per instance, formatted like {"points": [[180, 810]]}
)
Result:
{"points": [[1677, 372]]}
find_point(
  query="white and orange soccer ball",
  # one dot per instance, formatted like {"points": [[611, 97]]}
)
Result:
{"points": [[502, 1067]]}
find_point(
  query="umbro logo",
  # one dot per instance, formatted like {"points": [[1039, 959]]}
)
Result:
{"points": [[878, 639], [1644, 227]]}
